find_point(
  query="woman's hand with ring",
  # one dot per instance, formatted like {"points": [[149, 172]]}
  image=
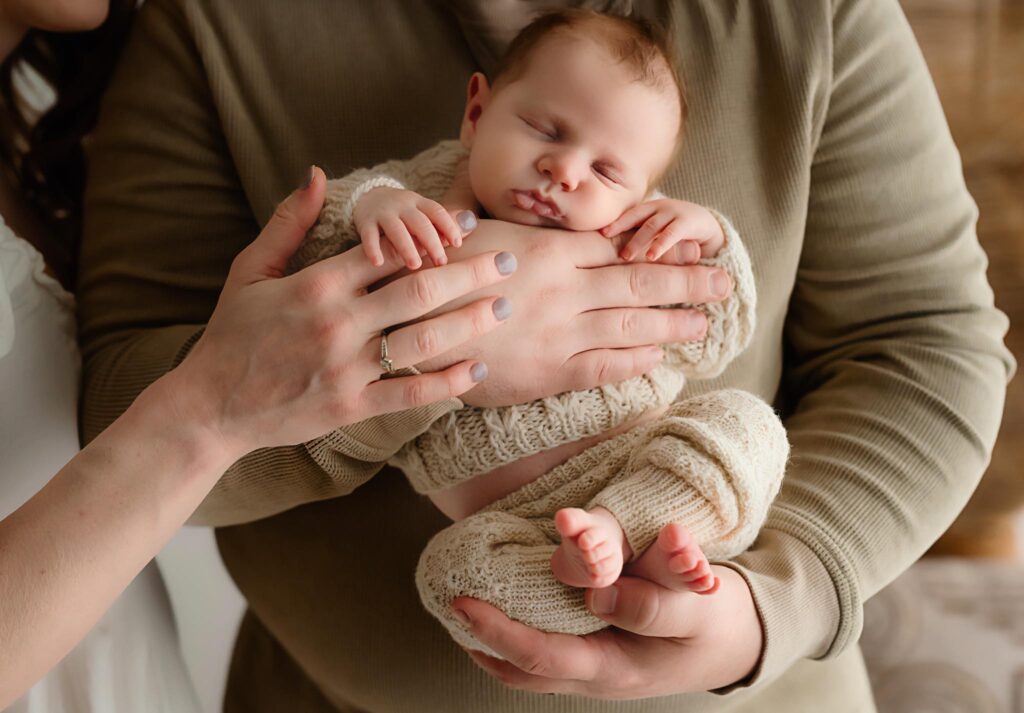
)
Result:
{"points": [[285, 359]]}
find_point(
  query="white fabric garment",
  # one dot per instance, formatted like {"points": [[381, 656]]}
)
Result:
{"points": [[131, 661]]}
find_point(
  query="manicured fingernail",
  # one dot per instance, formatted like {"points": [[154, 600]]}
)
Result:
{"points": [[478, 372], [462, 617], [466, 220], [307, 179], [720, 283], [502, 308], [506, 262], [691, 252], [603, 600]]}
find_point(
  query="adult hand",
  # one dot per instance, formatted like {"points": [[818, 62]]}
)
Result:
{"points": [[580, 319], [286, 359], [661, 642]]}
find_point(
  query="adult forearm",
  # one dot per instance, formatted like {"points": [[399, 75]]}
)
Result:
{"points": [[68, 553]]}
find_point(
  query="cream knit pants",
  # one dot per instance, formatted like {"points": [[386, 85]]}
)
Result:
{"points": [[712, 463]]}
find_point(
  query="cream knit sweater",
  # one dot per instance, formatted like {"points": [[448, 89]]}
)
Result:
{"points": [[713, 463]]}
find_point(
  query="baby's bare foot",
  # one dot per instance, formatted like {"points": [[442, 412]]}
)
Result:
{"points": [[676, 562], [591, 553]]}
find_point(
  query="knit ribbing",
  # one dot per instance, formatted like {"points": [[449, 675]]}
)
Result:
{"points": [[712, 462]]}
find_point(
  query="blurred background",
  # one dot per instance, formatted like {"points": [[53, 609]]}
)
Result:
{"points": [[947, 636]]}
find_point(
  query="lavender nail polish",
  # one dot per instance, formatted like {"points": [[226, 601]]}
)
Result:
{"points": [[306, 179], [506, 262], [478, 372], [466, 220], [502, 308]]}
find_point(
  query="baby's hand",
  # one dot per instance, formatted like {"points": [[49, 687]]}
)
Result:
{"points": [[414, 226], [664, 225]]}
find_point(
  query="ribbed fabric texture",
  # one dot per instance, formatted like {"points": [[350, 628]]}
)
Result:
{"points": [[712, 462], [813, 126]]}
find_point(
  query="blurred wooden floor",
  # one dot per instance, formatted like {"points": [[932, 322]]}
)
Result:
{"points": [[975, 50]]}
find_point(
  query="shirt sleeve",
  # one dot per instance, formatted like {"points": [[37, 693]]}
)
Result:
{"points": [[165, 215], [897, 369]]}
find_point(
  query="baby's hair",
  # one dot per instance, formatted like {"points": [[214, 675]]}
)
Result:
{"points": [[633, 42]]}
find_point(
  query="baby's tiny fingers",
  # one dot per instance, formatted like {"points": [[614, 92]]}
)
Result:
{"points": [[642, 239], [426, 235], [403, 243], [370, 236], [630, 219]]}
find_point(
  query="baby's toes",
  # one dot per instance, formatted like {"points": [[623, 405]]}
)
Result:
{"points": [[605, 572]]}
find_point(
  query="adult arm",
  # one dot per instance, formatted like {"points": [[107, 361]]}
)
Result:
{"points": [[72, 549], [897, 379]]}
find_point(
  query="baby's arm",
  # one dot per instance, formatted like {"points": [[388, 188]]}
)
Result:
{"points": [[664, 224]]}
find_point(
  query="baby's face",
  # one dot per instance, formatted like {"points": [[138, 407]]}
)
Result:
{"points": [[571, 143]]}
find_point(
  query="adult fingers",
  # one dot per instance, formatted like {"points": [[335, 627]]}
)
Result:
{"points": [[537, 653], [415, 295], [647, 285], [598, 367], [418, 342], [267, 256], [643, 607], [631, 327], [406, 392]]}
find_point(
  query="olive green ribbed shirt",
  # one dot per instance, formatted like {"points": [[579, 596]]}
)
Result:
{"points": [[814, 126]]}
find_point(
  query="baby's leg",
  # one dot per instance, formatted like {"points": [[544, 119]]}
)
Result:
{"points": [[676, 562], [592, 550], [504, 560]]}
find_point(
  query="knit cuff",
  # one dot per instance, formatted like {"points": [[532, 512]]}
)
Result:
{"points": [[349, 207], [809, 607], [731, 322], [473, 441]]}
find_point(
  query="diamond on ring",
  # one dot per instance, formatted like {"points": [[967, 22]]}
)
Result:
{"points": [[386, 365]]}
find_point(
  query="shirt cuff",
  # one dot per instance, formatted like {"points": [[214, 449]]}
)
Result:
{"points": [[804, 611]]}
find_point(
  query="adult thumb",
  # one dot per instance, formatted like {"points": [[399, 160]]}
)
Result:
{"points": [[267, 256]]}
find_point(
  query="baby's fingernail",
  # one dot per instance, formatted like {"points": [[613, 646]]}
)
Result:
{"points": [[691, 252], [603, 600], [626, 254], [720, 283], [466, 220], [462, 616], [307, 178], [506, 262], [502, 308]]}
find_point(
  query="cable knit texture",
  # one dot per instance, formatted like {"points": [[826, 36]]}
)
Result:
{"points": [[472, 441], [714, 462]]}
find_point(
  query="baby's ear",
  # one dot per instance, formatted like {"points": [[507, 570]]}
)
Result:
{"points": [[478, 96]]}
